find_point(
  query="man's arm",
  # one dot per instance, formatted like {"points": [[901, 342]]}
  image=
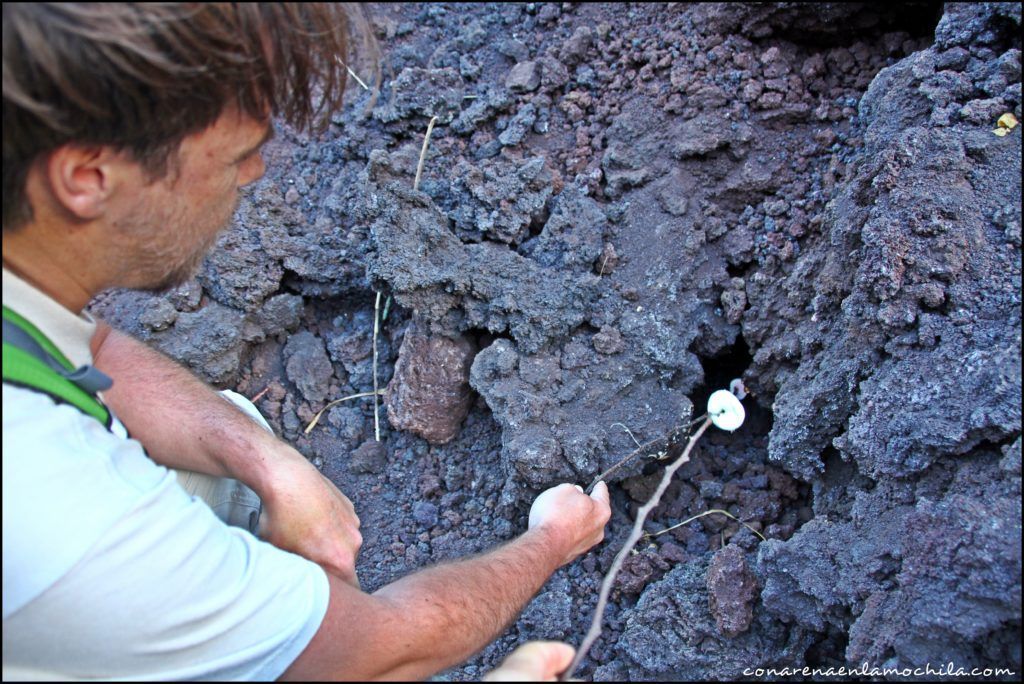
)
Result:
{"points": [[184, 424], [436, 618]]}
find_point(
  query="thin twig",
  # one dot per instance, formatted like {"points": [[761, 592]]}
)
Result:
{"points": [[696, 420], [634, 536], [316, 418], [639, 450], [701, 515], [259, 395], [376, 392], [423, 152], [689, 426]]}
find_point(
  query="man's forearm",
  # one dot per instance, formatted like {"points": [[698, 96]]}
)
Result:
{"points": [[461, 607], [180, 421], [430, 620]]}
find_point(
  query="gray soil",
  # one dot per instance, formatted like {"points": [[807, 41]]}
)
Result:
{"points": [[623, 207]]}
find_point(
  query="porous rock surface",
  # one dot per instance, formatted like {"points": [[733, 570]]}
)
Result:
{"points": [[671, 636], [625, 207]]}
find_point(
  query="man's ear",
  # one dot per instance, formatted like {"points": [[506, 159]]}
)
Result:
{"points": [[83, 178]]}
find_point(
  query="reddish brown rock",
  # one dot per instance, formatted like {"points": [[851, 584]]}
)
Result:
{"points": [[732, 589], [429, 394]]}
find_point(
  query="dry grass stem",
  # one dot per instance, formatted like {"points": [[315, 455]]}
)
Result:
{"points": [[316, 418], [376, 392], [701, 515], [352, 73], [423, 153], [259, 395], [630, 433], [641, 448], [634, 537]]}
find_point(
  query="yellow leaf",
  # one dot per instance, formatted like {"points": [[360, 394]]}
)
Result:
{"points": [[1001, 131]]}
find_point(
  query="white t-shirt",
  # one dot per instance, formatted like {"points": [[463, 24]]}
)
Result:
{"points": [[111, 570]]}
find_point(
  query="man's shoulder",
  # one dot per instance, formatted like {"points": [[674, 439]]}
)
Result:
{"points": [[66, 480], [33, 421], [30, 410], [94, 559], [46, 442]]}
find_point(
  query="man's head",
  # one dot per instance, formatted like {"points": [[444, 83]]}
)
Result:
{"points": [[162, 229], [180, 94]]}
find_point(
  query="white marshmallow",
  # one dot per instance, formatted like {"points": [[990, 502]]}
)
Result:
{"points": [[725, 410]]}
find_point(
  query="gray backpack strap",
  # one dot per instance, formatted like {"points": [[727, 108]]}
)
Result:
{"points": [[87, 378]]}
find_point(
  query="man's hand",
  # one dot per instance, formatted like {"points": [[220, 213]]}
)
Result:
{"points": [[185, 425], [430, 620], [305, 513], [534, 661], [576, 519]]}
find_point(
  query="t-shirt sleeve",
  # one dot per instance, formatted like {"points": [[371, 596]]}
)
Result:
{"points": [[139, 580]]}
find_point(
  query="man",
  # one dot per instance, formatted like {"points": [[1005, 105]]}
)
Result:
{"points": [[128, 132]]}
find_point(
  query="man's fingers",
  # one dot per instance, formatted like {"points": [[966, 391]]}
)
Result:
{"points": [[347, 504], [534, 661], [352, 578], [337, 492], [600, 493], [347, 575], [355, 519], [557, 655]]}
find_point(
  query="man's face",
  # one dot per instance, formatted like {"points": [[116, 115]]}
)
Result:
{"points": [[168, 226]]}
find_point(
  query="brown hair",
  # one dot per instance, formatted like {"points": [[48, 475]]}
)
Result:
{"points": [[142, 76]]}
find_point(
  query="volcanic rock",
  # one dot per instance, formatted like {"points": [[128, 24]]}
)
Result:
{"points": [[429, 394]]}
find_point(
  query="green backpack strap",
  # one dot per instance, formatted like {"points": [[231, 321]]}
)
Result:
{"points": [[32, 361]]}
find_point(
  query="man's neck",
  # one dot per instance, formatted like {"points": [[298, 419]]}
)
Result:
{"points": [[54, 273]]}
